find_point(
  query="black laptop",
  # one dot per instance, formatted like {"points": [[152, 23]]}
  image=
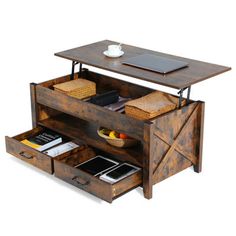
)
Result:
{"points": [[155, 63]]}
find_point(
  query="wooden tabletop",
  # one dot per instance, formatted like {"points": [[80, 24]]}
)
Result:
{"points": [[92, 55]]}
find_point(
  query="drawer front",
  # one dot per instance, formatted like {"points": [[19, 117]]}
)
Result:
{"points": [[94, 185], [29, 155]]}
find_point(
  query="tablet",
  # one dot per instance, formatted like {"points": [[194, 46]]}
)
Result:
{"points": [[97, 165], [119, 173]]}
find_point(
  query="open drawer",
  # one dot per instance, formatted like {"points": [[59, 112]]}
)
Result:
{"points": [[65, 169], [31, 155], [64, 166]]}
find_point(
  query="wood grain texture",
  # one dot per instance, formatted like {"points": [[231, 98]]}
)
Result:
{"points": [[34, 105], [200, 120], [83, 180], [94, 185], [37, 159], [92, 54], [90, 112], [176, 141], [106, 83], [46, 112], [87, 132], [147, 161]]}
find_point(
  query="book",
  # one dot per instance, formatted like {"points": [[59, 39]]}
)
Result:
{"points": [[43, 140], [105, 98], [60, 149], [118, 106]]}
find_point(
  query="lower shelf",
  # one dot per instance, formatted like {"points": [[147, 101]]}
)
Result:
{"points": [[86, 131]]}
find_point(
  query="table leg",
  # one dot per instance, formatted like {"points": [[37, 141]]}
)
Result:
{"points": [[147, 162]]}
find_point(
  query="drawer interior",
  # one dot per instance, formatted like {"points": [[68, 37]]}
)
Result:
{"points": [[33, 156], [64, 166], [66, 169], [40, 129]]}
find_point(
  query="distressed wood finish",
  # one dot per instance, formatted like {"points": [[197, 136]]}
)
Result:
{"points": [[200, 119], [103, 82], [90, 112], [177, 141], [125, 89], [28, 154], [167, 144], [94, 185], [34, 105], [147, 161], [92, 54], [76, 128], [36, 158]]}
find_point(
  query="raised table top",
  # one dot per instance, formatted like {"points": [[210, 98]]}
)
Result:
{"points": [[92, 55]]}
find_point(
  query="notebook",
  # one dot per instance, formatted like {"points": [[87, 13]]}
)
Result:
{"points": [[155, 63]]}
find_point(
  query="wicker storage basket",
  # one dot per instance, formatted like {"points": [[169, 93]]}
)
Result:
{"points": [[151, 105], [78, 88]]}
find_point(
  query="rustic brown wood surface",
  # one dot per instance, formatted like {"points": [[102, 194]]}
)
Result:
{"points": [[34, 105], [46, 112], [167, 145], [92, 54], [200, 120], [94, 185], [106, 83], [90, 112], [29, 155], [103, 82], [87, 132], [177, 141], [147, 161]]}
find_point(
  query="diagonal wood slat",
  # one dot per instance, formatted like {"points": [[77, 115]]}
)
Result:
{"points": [[189, 156], [174, 143]]}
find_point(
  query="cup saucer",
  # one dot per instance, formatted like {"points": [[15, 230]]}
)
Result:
{"points": [[106, 53]]}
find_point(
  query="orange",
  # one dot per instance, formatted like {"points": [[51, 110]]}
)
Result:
{"points": [[123, 136]]}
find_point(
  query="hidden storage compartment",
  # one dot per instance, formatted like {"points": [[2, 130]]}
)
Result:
{"points": [[122, 123], [65, 169]]}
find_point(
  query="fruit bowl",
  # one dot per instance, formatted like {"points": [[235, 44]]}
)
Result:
{"points": [[115, 141]]}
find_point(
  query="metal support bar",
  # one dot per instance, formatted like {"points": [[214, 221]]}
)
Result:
{"points": [[188, 94], [80, 69], [181, 91], [180, 97], [73, 69]]}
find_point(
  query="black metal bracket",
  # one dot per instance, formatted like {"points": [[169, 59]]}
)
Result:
{"points": [[74, 63], [181, 91], [73, 69]]}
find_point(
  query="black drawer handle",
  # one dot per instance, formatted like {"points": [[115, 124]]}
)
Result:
{"points": [[80, 181], [26, 155]]}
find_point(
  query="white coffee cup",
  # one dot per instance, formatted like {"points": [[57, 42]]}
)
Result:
{"points": [[114, 50]]}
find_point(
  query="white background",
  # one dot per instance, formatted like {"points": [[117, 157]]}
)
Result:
{"points": [[35, 203]]}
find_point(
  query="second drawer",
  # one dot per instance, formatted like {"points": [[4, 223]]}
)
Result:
{"points": [[65, 170]]}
